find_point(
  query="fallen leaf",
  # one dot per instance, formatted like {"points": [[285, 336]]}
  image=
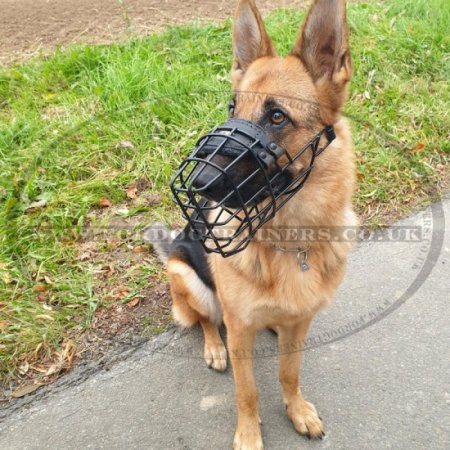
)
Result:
{"points": [[108, 270], [123, 212], [39, 288], [419, 147], [370, 194], [44, 316], [140, 249], [7, 278], [25, 390], [128, 212], [105, 203], [134, 302], [121, 293], [51, 370], [36, 205], [36, 350], [132, 191], [23, 368], [84, 256], [38, 368], [41, 297], [125, 144], [48, 95], [69, 351], [4, 324]]}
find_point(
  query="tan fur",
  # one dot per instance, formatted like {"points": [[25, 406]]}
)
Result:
{"points": [[261, 287]]}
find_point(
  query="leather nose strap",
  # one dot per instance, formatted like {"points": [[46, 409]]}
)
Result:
{"points": [[240, 135]]}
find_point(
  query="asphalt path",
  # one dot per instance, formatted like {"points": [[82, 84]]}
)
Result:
{"points": [[377, 369]]}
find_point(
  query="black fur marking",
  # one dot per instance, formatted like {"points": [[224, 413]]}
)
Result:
{"points": [[189, 250]]}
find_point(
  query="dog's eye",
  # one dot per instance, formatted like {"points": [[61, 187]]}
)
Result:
{"points": [[277, 117]]}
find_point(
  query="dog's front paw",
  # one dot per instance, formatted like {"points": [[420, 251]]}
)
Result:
{"points": [[248, 438], [216, 356], [305, 418]]}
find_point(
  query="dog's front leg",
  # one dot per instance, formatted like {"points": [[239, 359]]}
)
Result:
{"points": [[302, 413], [240, 346]]}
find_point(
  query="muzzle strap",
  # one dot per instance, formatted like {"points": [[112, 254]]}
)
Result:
{"points": [[330, 134]]}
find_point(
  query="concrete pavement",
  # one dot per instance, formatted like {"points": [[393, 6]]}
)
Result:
{"points": [[377, 370]]}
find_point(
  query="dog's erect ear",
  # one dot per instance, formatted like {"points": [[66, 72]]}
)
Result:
{"points": [[323, 48], [250, 39]]}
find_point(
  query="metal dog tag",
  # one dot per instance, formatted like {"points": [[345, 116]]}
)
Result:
{"points": [[304, 266]]}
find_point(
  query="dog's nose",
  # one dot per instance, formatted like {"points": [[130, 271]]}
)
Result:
{"points": [[208, 182]]}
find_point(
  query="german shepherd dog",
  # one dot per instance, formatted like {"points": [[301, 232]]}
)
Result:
{"points": [[263, 286]]}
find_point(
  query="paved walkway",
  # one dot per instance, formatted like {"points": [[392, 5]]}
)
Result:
{"points": [[384, 386]]}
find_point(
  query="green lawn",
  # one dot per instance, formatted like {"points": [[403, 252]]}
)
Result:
{"points": [[80, 127]]}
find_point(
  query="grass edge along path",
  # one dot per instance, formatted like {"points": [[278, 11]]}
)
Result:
{"points": [[141, 106]]}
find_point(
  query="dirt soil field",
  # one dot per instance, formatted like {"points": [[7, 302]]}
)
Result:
{"points": [[28, 27]]}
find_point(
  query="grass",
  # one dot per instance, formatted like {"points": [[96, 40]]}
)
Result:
{"points": [[77, 129]]}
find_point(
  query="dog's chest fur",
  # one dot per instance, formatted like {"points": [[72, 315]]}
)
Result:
{"points": [[263, 287]]}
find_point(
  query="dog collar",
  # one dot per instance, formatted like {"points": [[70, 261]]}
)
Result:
{"points": [[302, 255]]}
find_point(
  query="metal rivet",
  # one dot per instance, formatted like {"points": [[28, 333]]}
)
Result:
{"points": [[263, 155], [273, 146]]}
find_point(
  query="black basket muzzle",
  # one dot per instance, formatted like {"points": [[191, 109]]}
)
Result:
{"points": [[236, 179]]}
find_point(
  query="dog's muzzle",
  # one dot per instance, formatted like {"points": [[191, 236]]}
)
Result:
{"points": [[236, 179]]}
